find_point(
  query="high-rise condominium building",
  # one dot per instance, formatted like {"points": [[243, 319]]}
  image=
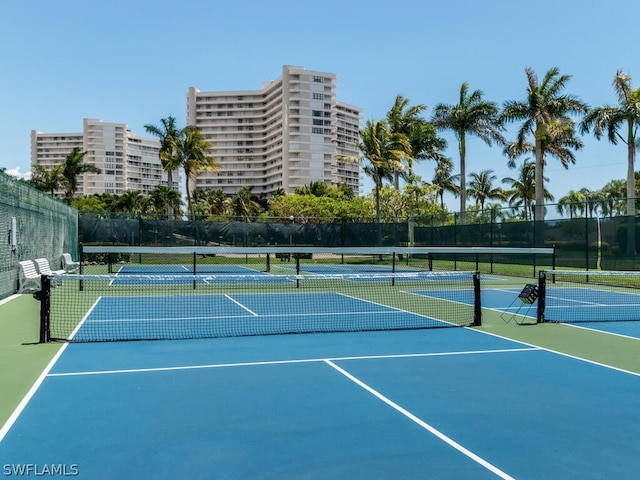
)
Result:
{"points": [[291, 132], [127, 161]]}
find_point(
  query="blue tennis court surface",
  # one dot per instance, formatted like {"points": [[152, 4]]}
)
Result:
{"points": [[223, 315], [141, 269], [444, 403], [591, 304], [603, 310]]}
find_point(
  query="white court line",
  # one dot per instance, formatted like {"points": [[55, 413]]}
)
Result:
{"points": [[27, 398], [242, 306], [557, 352], [23, 403], [492, 468], [593, 329], [284, 362]]}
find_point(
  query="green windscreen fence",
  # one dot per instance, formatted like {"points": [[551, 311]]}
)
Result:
{"points": [[32, 225]]}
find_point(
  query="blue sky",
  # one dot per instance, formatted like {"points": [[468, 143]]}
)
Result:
{"points": [[132, 61]]}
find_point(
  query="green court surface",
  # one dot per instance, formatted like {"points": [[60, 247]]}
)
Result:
{"points": [[22, 359]]}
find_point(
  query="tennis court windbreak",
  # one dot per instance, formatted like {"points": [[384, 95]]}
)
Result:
{"points": [[572, 296], [92, 308]]}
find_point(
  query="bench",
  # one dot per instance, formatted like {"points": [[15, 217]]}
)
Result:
{"points": [[43, 267], [29, 277], [68, 264]]}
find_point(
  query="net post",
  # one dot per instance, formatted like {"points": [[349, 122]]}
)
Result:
{"points": [[430, 260], [44, 296], [268, 267], [195, 270], [542, 296], [393, 267], [297, 257], [477, 304]]}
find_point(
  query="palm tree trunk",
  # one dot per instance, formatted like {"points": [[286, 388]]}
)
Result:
{"points": [[539, 179], [538, 213], [631, 198], [170, 185], [463, 179]]}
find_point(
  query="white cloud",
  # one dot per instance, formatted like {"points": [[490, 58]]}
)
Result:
{"points": [[15, 172]]}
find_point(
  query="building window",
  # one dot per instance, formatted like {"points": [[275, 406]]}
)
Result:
{"points": [[318, 96], [318, 79]]}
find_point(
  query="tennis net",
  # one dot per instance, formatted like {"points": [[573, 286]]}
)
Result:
{"points": [[85, 308], [218, 260], [570, 296]]}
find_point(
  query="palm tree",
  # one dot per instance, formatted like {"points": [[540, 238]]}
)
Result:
{"points": [[130, 201], [317, 189], [163, 199], [614, 118], [613, 194], [592, 200], [73, 166], [481, 188], [470, 116], [192, 152], [544, 107], [560, 142], [47, 180], [444, 180], [219, 202], [523, 189], [384, 150], [572, 203], [244, 205], [169, 135], [422, 135]]}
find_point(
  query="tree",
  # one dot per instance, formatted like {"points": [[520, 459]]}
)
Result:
{"points": [[210, 202], [130, 201], [444, 180], [544, 107], [572, 203], [422, 135], [169, 135], [612, 194], [163, 199], [559, 142], [611, 119], [481, 188], [244, 205], [317, 189], [192, 153], [310, 208], [73, 166], [472, 115], [47, 180], [384, 151], [522, 191]]}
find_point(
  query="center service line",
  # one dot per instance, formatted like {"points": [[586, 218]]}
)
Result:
{"points": [[423, 424]]}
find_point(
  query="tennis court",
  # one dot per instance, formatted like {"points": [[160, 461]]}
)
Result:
{"points": [[314, 375], [443, 403]]}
